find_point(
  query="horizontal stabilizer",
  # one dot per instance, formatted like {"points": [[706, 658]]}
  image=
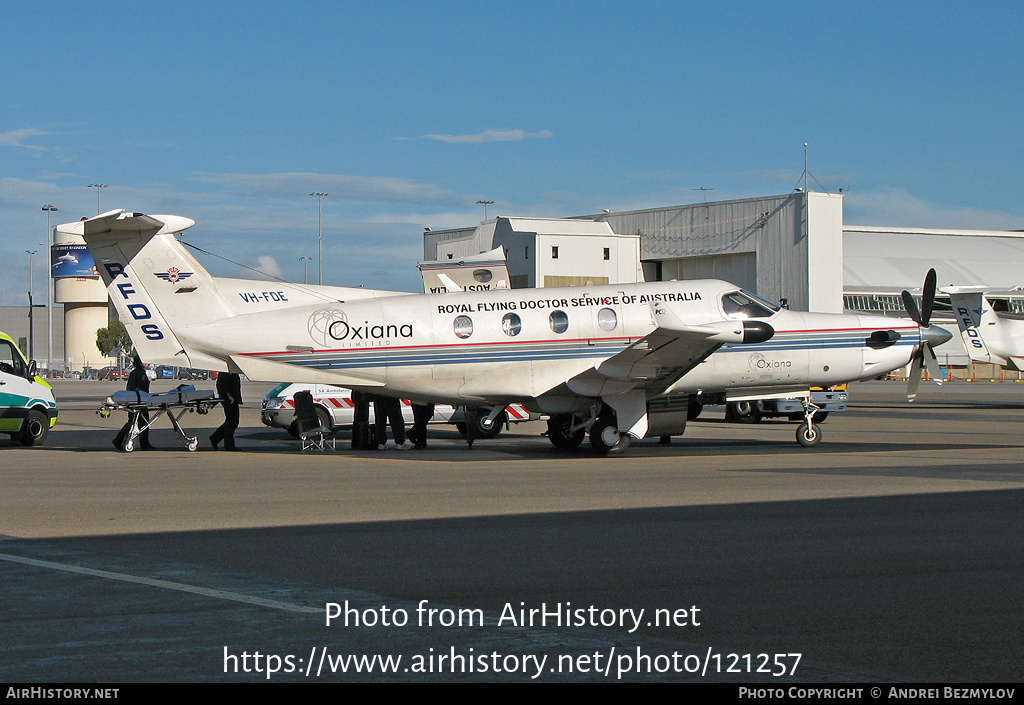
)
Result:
{"points": [[118, 222]]}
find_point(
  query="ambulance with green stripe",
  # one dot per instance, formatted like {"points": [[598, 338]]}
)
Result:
{"points": [[27, 408]]}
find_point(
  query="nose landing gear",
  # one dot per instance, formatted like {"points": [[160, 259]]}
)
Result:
{"points": [[808, 435]]}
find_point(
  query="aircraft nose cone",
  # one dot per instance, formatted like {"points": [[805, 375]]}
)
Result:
{"points": [[935, 335]]}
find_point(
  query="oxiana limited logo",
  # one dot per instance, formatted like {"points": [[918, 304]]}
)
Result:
{"points": [[329, 325], [173, 275], [320, 323], [759, 363]]}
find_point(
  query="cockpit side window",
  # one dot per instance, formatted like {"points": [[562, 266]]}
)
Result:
{"points": [[743, 304]]}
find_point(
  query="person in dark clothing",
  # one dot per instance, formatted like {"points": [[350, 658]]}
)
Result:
{"points": [[421, 415], [361, 436], [229, 391], [138, 381], [388, 410]]}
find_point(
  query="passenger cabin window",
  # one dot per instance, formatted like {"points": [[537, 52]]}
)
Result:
{"points": [[559, 321], [463, 326], [607, 253], [607, 319], [743, 304], [511, 324], [554, 252]]}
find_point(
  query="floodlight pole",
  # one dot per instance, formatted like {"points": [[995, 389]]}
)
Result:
{"points": [[320, 231], [98, 187], [49, 292], [31, 311]]}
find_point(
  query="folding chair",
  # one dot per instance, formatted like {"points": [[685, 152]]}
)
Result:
{"points": [[313, 434]]}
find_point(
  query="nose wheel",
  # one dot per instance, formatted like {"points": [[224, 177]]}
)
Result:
{"points": [[808, 435]]}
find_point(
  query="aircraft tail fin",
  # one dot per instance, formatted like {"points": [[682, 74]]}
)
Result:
{"points": [[980, 327], [155, 284]]}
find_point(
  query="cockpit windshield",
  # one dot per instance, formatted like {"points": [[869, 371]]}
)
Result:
{"points": [[743, 304]]}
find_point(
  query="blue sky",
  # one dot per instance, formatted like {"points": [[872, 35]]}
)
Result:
{"points": [[407, 113]]}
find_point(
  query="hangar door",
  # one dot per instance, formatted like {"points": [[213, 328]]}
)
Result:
{"points": [[740, 269]]}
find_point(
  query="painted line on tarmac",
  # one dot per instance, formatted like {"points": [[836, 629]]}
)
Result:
{"points": [[166, 584]]}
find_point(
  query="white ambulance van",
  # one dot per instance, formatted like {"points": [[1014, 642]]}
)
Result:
{"points": [[28, 409]]}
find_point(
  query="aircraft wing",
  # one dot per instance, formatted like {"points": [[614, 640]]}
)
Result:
{"points": [[661, 357]]}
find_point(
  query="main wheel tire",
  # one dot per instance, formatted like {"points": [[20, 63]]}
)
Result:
{"points": [[695, 406], [743, 411], [492, 429], [561, 433], [606, 439], [808, 436], [35, 428], [482, 430]]}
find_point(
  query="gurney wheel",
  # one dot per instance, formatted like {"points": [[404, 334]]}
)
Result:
{"points": [[128, 446], [191, 444]]}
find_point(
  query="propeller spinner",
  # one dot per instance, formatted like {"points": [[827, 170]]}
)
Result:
{"points": [[924, 355]]}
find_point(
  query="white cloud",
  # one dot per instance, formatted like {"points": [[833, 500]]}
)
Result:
{"points": [[268, 267], [491, 136], [16, 138], [351, 189], [898, 208], [149, 144]]}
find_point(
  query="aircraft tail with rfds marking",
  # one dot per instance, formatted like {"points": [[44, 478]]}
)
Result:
{"points": [[155, 284], [987, 336]]}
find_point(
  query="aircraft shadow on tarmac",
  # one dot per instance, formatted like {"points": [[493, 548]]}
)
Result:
{"points": [[909, 588]]}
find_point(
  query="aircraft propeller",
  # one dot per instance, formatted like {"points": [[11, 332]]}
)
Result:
{"points": [[924, 354]]}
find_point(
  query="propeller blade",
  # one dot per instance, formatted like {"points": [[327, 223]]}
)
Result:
{"points": [[915, 378], [928, 297], [911, 306], [931, 363], [924, 355]]}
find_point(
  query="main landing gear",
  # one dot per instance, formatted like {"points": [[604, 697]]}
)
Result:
{"points": [[567, 431], [605, 437]]}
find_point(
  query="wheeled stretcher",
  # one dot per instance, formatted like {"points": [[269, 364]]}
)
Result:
{"points": [[175, 404]]}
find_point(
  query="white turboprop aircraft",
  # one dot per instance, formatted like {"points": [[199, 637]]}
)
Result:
{"points": [[991, 333], [604, 358]]}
